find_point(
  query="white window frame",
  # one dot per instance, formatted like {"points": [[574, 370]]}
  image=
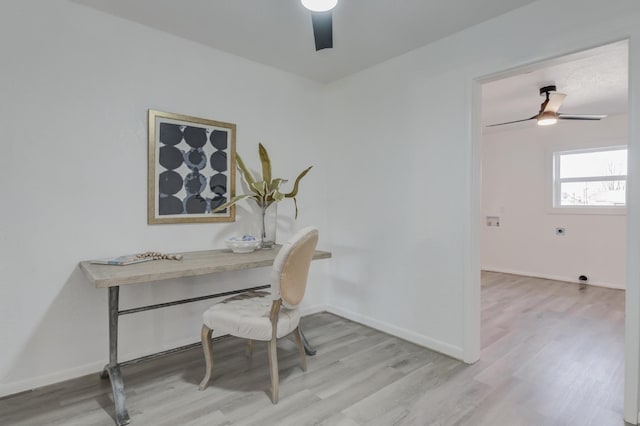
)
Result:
{"points": [[556, 181]]}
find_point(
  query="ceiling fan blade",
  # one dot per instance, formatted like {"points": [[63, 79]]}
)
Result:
{"points": [[511, 122], [555, 100], [581, 116], [322, 29]]}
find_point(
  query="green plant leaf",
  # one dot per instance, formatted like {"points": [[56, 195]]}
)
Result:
{"points": [[245, 172], [266, 163], [274, 185], [267, 190], [259, 188], [294, 191], [230, 203]]}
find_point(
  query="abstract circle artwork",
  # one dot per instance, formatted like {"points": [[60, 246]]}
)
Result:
{"points": [[190, 170]]}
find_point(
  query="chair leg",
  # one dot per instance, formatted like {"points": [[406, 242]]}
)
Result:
{"points": [[273, 370], [208, 356], [250, 347], [303, 358]]}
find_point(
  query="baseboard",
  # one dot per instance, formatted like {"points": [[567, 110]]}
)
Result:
{"points": [[50, 379], [96, 367], [419, 339], [315, 309], [550, 277], [91, 368]]}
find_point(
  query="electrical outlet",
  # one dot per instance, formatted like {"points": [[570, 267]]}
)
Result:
{"points": [[493, 221], [560, 231]]}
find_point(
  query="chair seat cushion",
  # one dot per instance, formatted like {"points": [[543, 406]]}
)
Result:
{"points": [[247, 315]]}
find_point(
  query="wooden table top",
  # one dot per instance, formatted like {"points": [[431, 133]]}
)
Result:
{"points": [[193, 263]]}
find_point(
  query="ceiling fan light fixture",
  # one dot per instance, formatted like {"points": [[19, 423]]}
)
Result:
{"points": [[547, 118], [319, 5], [549, 114]]}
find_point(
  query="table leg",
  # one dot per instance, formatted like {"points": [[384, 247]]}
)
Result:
{"points": [[112, 370], [308, 349], [117, 387]]}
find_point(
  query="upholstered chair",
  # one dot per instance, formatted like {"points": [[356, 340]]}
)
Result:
{"points": [[258, 315]]}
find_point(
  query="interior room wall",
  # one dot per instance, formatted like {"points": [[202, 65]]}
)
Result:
{"points": [[396, 203], [75, 86], [403, 236], [516, 186]]}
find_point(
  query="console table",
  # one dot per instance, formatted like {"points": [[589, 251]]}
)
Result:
{"points": [[193, 264]]}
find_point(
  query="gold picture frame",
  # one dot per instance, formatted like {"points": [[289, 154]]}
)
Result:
{"points": [[190, 169]]}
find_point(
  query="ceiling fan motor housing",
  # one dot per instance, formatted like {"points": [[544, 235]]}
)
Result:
{"points": [[547, 89]]}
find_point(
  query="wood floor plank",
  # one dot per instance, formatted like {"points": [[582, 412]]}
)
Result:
{"points": [[552, 354]]}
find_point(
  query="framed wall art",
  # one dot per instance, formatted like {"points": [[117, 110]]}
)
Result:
{"points": [[190, 169]]}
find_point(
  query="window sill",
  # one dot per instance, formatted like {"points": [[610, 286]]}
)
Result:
{"points": [[605, 211]]}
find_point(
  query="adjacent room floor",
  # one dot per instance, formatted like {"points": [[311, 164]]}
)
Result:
{"points": [[553, 354]]}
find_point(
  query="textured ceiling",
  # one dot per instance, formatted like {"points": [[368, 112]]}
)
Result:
{"points": [[595, 82], [279, 33]]}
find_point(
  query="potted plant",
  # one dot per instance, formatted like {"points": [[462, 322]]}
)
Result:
{"points": [[266, 193]]}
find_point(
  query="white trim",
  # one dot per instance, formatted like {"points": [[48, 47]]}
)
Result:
{"points": [[419, 339], [593, 179], [471, 286], [589, 210], [52, 378], [91, 368], [595, 149], [551, 277], [96, 367], [315, 309], [632, 300]]}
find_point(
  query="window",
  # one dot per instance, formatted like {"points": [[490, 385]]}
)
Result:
{"points": [[590, 178]]}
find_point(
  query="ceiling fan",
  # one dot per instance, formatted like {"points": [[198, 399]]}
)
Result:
{"points": [[549, 114], [322, 21]]}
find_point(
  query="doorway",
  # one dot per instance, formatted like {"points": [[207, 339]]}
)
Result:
{"points": [[517, 162]]}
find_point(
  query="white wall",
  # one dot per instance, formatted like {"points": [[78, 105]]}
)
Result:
{"points": [[516, 186], [75, 86], [405, 228], [394, 188]]}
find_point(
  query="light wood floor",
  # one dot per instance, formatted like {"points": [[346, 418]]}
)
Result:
{"points": [[552, 355]]}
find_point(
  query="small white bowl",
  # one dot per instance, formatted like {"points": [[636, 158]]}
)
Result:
{"points": [[237, 245]]}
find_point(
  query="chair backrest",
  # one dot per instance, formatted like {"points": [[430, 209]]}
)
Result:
{"points": [[291, 267]]}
